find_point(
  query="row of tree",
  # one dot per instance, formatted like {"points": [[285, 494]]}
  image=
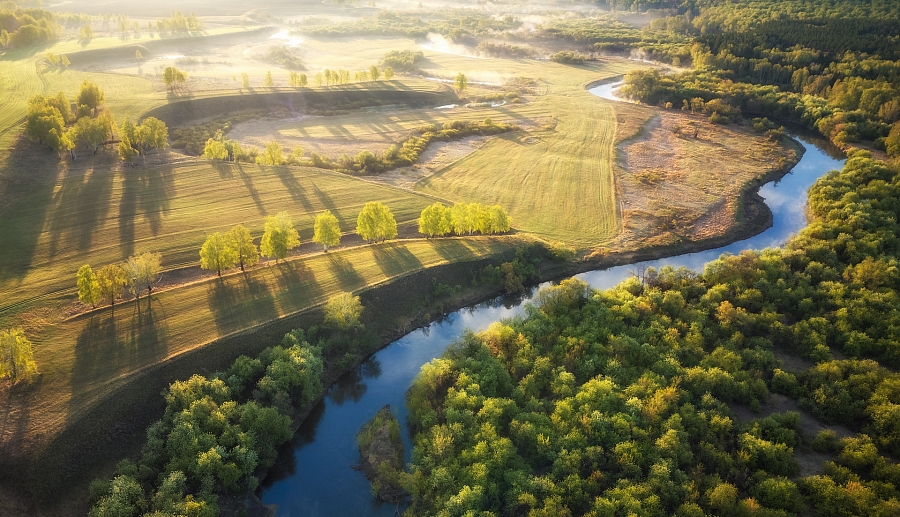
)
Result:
{"points": [[138, 273], [438, 220], [22, 27]]}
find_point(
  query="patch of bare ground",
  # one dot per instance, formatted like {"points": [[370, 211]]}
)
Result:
{"points": [[680, 177]]}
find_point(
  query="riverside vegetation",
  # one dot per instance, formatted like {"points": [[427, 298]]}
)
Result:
{"points": [[543, 149], [601, 402]]}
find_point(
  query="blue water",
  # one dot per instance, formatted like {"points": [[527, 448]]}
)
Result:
{"points": [[317, 479]]}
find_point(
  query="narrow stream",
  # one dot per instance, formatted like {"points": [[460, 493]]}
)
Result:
{"points": [[317, 478]]}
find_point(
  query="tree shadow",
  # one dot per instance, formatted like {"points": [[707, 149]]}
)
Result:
{"points": [[88, 196], [453, 249], [293, 186], [117, 340], [345, 273], [395, 260], [29, 182], [286, 465], [239, 301], [251, 189], [145, 191], [349, 387], [297, 282], [323, 196]]}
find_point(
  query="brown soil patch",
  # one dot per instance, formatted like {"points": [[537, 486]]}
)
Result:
{"points": [[680, 178]]}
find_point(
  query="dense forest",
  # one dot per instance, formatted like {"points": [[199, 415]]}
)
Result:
{"points": [[621, 402], [832, 66]]}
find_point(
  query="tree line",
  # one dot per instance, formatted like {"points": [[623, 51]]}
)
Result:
{"points": [[618, 401], [221, 251], [438, 220]]}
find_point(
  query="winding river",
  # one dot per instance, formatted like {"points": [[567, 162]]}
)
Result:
{"points": [[316, 478]]}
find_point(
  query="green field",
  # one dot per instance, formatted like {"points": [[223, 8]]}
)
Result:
{"points": [[103, 215]]}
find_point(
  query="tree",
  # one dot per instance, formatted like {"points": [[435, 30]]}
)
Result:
{"points": [[142, 272], [376, 222], [16, 355], [138, 55], [112, 280], [64, 61], [88, 287], [461, 83], [303, 80], [89, 95], [174, 78], [374, 73], [279, 236], [435, 220], [85, 32], [215, 150], [327, 230], [126, 150], [245, 81], [343, 310], [462, 221], [499, 220], [241, 242], [388, 73], [217, 253], [267, 80], [297, 153], [272, 155], [152, 132]]}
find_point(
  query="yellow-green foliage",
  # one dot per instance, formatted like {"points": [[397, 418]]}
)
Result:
{"points": [[343, 311], [279, 236], [16, 355]]}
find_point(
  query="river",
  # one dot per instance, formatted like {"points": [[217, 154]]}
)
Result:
{"points": [[316, 478]]}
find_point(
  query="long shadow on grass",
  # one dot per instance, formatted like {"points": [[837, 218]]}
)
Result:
{"points": [[323, 196], [251, 189], [346, 274], [297, 284], [453, 250], [118, 340], [395, 260], [239, 301], [293, 186], [30, 174], [146, 192], [80, 205]]}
